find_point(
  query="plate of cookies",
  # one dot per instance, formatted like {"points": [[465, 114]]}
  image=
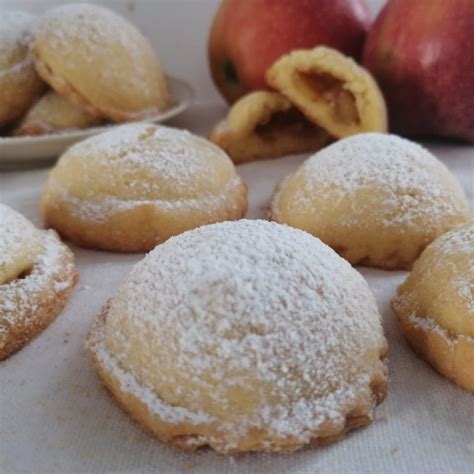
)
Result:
{"points": [[59, 86]]}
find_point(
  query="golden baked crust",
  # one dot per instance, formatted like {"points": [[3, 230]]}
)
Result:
{"points": [[260, 355], [435, 305], [135, 186], [100, 62], [54, 113], [264, 125], [332, 90], [34, 297], [376, 199], [20, 85]]}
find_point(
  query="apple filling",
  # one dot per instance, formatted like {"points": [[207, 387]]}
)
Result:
{"points": [[290, 121], [329, 91]]}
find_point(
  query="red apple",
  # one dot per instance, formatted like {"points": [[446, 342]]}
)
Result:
{"points": [[422, 55], [248, 36]]}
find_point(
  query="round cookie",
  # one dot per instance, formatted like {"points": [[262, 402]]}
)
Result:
{"points": [[100, 62], [131, 188], [377, 199], [36, 277], [244, 336], [54, 113], [435, 305], [20, 85]]}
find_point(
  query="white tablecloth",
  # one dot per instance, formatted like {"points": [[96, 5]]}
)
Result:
{"points": [[56, 417]]}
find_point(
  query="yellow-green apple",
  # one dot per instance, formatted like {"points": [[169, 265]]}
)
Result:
{"points": [[422, 55], [248, 36]]}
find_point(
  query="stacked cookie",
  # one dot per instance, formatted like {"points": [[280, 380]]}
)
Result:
{"points": [[74, 67]]}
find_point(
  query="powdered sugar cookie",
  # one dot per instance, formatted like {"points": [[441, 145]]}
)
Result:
{"points": [[36, 277], [20, 85], [131, 188], [376, 199], [435, 305], [54, 113], [100, 62], [244, 336]]}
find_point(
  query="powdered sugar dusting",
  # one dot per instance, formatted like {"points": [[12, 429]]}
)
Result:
{"points": [[131, 385], [251, 306], [18, 298], [146, 164], [430, 325], [15, 37], [408, 182], [100, 33], [457, 241], [460, 243], [451, 258]]}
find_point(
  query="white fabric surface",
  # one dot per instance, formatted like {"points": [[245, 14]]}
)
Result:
{"points": [[56, 417]]}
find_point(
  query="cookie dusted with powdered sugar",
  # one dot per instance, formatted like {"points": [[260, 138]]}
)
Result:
{"points": [[133, 187], [100, 62], [435, 305], [377, 199], [37, 275], [20, 85], [244, 336]]}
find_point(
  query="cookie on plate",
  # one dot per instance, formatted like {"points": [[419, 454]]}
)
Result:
{"points": [[20, 85], [100, 62], [54, 113]]}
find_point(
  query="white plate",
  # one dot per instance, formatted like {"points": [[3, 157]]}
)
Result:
{"points": [[18, 152]]}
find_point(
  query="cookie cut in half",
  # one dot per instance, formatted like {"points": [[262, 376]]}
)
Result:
{"points": [[244, 336], [435, 305], [265, 125], [37, 275], [377, 199], [332, 90]]}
